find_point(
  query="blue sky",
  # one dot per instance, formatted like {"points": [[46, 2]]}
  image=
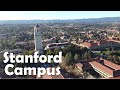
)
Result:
{"points": [[28, 15]]}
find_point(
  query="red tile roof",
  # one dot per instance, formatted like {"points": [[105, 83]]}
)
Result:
{"points": [[89, 44], [107, 66], [112, 65], [102, 67]]}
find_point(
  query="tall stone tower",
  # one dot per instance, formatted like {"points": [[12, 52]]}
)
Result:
{"points": [[38, 39]]}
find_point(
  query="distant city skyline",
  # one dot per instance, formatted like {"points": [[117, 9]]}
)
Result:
{"points": [[50, 15]]}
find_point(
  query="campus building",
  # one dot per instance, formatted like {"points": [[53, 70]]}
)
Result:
{"points": [[99, 44], [56, 45], [104, 68]]}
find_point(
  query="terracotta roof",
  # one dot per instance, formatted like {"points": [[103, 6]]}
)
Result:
{"points": [[107, 66], [89, 44], [98, 43], [102, 67], [112, 65]]}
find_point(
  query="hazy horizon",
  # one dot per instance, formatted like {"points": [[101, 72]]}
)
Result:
{"points": [[56, 19], [56, 15]]}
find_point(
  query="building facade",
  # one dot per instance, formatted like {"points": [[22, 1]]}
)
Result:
{"points": [[56, 45], [100, 44], [104, 68]]}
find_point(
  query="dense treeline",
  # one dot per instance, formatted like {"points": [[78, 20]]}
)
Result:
{"points": [[75, 51], [14, 29]]}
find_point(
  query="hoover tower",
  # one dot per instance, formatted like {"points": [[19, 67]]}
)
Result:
{"points": [[38, 39]]}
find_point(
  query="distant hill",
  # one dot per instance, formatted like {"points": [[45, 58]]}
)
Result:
{"points": [[90, 20]]}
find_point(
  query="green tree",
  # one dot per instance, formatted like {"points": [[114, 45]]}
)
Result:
{"points": [[49, 52], [89, 54], [63, 64], [69, 58], [31, 52], [82, 57], [57, 50], [76, 57], [26, 52], [85, 55]]}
